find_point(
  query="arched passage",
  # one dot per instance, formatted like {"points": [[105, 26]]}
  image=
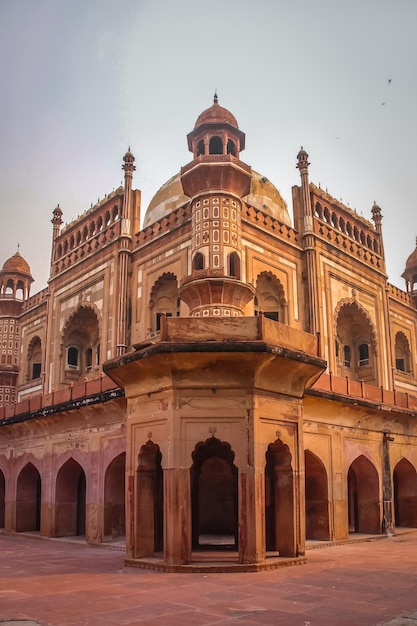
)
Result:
{"points": [[149, 501], [28, 499], [114, 498], [405, 494], [363, 497], [279, 500], [214, 496], [317, 500], [70, 500], [2, 498]]}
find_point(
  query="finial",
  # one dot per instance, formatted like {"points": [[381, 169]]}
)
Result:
{"points": [[215, 99], [18, 248]]}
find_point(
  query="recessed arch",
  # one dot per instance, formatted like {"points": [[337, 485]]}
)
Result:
{"points": [[114, 498], [356, 342], [214, 496], [270, 297], [402, 353], [149, 501], [405, 494], [81, 341], [279, 500], [317, 499], [28, 499], [163, 300], [363, 497], [70, 500], [216, 145]]}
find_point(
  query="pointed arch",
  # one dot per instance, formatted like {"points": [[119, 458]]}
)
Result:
{"points": [[114, 498], [214, 495], [356, 342], [317, 499], [364, 510], [279, 499], [402, 353], [149, 501], [405, 494], [80, 339], [164, 300], [270, 297], [70, 500], [34, 358], [28, 499]]}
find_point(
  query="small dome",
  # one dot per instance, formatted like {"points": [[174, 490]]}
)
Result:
{"points": [[16, 265], [216, 115], [263, 196], [411, 263]]}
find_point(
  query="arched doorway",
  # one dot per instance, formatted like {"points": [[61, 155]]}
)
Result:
{"points": [[214, 496], [2, 498], [70, 501], [279, 500], [28, 499], [149, 501], [114, 498], [405, 494], [317, 500], [363, 497]]}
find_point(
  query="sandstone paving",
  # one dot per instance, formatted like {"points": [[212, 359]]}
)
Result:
{"points": [[54, 583]]}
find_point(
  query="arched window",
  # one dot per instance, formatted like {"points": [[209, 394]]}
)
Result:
{"points": [[347, 355], [198, 261], [402, 353], [200, 148], [357, 339], [231, 148], [88, 359], [270, 297], [363, 354], [73, 357], [163, 301], [216, 145], [34, 358], [81, 336], [234, 265]]}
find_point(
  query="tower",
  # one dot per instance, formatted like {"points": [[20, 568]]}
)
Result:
{"points": [[15, 281], [216, 180], [308, 243], [124, 254]]}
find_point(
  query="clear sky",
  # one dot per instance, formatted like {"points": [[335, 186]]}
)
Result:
{"points": [[82, 80]]}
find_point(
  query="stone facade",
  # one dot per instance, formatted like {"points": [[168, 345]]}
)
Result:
{"points": [[218, 386]]}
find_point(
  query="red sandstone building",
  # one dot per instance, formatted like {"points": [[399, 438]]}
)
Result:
{"points": [[224, 380]]}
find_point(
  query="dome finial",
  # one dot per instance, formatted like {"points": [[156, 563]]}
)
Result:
{"points": [[215, 99]]}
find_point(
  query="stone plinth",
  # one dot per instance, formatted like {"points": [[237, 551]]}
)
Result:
{"points": [[214, 441]]}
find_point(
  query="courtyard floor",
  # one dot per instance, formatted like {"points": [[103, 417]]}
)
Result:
{"points": [[55, 583]]}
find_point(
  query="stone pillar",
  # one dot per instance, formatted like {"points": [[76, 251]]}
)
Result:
{"points": [[177, 516], [251, 516], [387, 516], [144, 540]]}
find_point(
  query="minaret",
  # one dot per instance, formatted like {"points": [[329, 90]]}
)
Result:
{"points": [[377, 218], [124, 256], [216, 181], [308, 243], [56, 228]]}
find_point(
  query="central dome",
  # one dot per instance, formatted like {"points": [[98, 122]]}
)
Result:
{"points": [[263, 195]]}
